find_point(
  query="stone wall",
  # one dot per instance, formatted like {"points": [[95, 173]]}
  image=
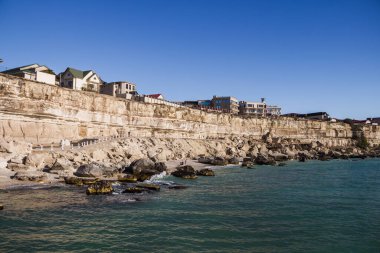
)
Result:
{"points": [[42, 114]]}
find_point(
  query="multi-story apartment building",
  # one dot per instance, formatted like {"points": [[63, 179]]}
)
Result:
{"points": [[253, 108], [227, 104]]}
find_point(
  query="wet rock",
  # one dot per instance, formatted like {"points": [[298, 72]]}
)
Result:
{"points": [[205, 172], [79, 181], [263, 160], [133, 190], [160, 166], [1, 206], [219, 161], [178, 187], [278, 156], [30, 176], [144, 169], [205, 160], [127, 178], [100, 187], [234, 160], [153, 187], [186, 172], [282, 164]]}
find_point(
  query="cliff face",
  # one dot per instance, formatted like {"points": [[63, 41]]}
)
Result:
{"points": [[42, 114]]}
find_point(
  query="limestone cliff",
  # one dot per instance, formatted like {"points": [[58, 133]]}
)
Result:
{"points": [[43, 114]]}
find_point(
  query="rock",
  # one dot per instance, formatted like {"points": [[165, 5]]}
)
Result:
{"points": [[3, 163], [15, 147], [89, 170], [282, 164], [219, 161], [60, 165], [99, 155], [30, 176], [186, 172], [1, 206], [247, 164], [18, 159], [79, 181], [144, 169], [17, 167], [178, 187], [205, 172], [262, 160], [153, 187], [134, 190], [234, 160], [160, 166], [127, 178], [37, 159], [267, 137], [205, 160], [278, 156], [100, 187]]}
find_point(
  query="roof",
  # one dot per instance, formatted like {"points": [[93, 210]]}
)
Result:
{"points": [[31, 68], [78, 73], [154, 95]]}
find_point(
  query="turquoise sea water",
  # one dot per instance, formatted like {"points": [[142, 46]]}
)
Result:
{"points": [[304, 207]]}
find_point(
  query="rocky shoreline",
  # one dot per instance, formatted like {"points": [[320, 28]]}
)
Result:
{"points": [[133, 161]]}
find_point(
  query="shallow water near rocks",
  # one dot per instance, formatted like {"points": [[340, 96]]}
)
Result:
{"points": [[303, 207]]}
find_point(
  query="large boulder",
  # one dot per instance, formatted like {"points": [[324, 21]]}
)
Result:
{"points": [[205, 160], [62, 166], [100, 187], [30, 176], [263, 160], [18, 147], [79, 181], [144, 169], [219, 161], [205, 172], [38, 160], [234, 160], [278, 156], [186, 172], [89, 170]]}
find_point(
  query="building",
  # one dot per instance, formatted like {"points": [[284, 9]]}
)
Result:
{"points": [[156, 96], [315, 115], [273, 110], [80, 80], [253, 108], [197, 103], [226, 104], [119, 89], [374, 120], [35, 72]]}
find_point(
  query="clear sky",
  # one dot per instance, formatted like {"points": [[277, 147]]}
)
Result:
{"points": [[305, 55]]}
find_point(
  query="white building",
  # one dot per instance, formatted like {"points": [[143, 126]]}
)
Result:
{"points": [[252, 108], [80, 80], [119, 89], [35, 72], [273, 110]]}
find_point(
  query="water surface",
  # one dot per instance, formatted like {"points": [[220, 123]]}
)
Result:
{"points": [[304, 207]]}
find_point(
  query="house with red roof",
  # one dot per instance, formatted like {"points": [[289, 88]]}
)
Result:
{"points": [[156, 96]]}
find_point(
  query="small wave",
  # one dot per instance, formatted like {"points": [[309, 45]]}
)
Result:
{"points": [[157, 177]]}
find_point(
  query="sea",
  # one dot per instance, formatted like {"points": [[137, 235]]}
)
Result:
{"points": [[329, 206]]}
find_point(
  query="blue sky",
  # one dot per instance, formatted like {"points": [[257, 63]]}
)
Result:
{"points": [[302, 55]]}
